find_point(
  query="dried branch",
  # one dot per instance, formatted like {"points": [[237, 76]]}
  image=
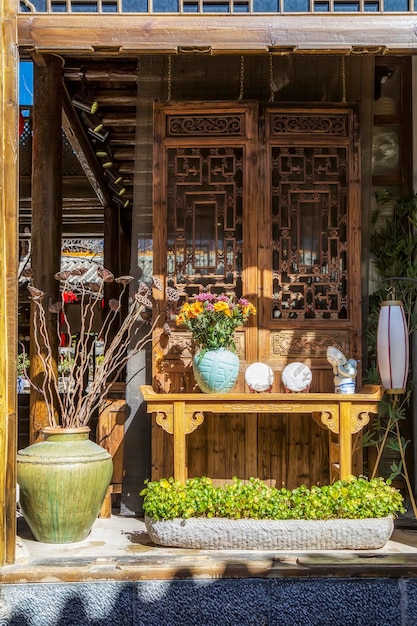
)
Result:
{"points": [[74, 403]]}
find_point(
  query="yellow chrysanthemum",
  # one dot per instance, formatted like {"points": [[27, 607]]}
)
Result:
{"points": [[195, 309], [222, 307], [249, 309]]}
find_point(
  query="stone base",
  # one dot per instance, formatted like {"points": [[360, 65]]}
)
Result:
{"points": [[248, 534]]}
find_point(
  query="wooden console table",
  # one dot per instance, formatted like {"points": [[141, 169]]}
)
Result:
{"points": [[344, 414]]}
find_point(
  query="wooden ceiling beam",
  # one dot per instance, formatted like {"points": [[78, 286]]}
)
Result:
{"points": [[111, 99], [122, 139], [92, 35], [124, 154], [113, 75], [119, 119], [84, 151]]}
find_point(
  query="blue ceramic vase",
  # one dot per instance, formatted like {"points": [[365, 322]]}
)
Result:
{"points": [[216, 371]]}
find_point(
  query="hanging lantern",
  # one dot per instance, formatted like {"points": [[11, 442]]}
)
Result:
{"points": [[393, 347]]}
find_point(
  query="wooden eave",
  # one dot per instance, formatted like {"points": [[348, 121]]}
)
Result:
{"points": [[107, 35]]}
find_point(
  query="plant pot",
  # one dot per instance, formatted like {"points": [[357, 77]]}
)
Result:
{"points": [[216, 371], [63, 481], [249, 534]]}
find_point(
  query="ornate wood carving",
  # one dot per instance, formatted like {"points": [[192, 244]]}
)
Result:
{"points": [[204, 216], [311, 157], [309, 228], [203, 125], [193, 421], [359, 419], [305, 344], [330, 421], [166, 421], [312, 124]]}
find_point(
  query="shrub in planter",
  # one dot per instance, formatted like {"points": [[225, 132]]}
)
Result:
{"points": [[331, 516]]}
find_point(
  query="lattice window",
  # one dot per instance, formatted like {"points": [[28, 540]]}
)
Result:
{"points": [[205, 208], [309, 218]]}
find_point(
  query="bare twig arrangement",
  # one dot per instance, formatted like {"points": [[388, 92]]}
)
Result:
{"points": [[70, 405]]}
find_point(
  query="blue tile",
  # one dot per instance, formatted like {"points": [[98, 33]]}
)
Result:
{"points": [[409, 588], [243, 602], [336, 602], [68, 604]]}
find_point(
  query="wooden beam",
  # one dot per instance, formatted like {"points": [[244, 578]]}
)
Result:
{"points": [[83, 149], [119, 119], [123, 139], [124, 154], [130, 34], [8, 276], [127, 74]]}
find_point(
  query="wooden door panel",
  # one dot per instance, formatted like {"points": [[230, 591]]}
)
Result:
{"points": [[269, 212], [310, 276]]}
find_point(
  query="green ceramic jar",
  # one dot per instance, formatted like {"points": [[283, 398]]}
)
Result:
{"points": [[62, 482]]}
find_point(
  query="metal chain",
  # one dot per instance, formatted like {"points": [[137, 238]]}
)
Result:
{"points": [[169, 86], [242, 77], [343, 79], [271, 78]]}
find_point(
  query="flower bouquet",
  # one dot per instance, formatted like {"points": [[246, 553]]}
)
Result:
{"points": [[213, 320]]}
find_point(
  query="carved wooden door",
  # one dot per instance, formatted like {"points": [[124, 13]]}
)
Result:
{"points": [[266, 207], [205, 223], [310, 256]]}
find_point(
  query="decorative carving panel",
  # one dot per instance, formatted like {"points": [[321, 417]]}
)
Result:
{"points": [[309, 190], [284, 123], [203, 125], [305, 344], [204, 216]]}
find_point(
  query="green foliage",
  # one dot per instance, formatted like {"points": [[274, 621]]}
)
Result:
{"points": [[356, 498], [23, 363], [394, 249]]}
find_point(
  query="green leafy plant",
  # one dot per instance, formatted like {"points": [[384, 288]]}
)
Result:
{"points": [[23, 363], [355, 498], [394, 249], [213, 319]]}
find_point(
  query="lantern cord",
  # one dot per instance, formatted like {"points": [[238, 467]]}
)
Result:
{"points": [[241, 77], [272, 85], [343, 79], [169, 85]]}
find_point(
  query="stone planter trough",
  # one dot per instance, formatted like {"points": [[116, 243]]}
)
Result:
{"points": [[248, 534]]}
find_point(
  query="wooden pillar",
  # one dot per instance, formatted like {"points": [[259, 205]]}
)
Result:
{"points": [[46, 209], [8, 276]]}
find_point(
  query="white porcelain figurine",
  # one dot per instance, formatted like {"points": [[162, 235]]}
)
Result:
{"points": [[345, 371]]}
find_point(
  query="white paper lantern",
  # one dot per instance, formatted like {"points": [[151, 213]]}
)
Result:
{"points": [[393, 347]]}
